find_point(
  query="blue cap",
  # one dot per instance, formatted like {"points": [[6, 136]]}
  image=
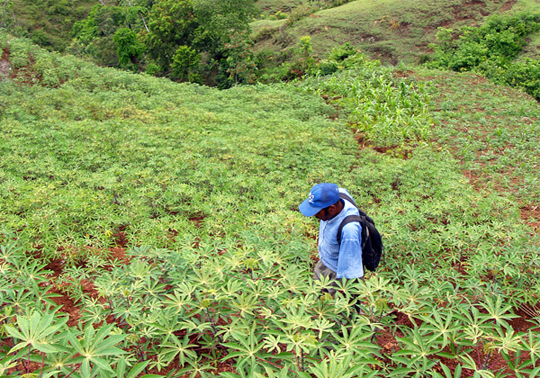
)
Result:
{"points": [[320, 197]]}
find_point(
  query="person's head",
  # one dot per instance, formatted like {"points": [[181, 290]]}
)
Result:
{"points": [[323, 202]]}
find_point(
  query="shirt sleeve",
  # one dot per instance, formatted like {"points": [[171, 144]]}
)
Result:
{"points": [[350, 252]]}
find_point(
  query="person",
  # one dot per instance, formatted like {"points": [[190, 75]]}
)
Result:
{"points": [[335, 260]]}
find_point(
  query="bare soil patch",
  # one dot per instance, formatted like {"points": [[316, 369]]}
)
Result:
{"points": [[63, 299], [531, 216], [5, 66], [508, 5]]}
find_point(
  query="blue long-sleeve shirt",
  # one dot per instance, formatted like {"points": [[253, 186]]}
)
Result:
{"points": [[344, 259]]}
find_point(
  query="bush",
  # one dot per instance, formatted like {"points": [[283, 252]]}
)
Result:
{"points": [[50, 79], [299, 13], [153, 69], [500, 39], [337, 3], [360, 60], [266, 32], [19, 49], [265, 59], [525, 75], [345, 57], [280, 15], [490, 50], [3, 39], [342, 52], [424, 58], [328, 3], [328, 67]]}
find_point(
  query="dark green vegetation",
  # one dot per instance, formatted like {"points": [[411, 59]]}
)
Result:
{"points": [[243, 41], [197, 41], [48, 23], [491, 51], [196, 190]]}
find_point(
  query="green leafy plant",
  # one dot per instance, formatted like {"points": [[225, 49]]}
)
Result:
{"points": [[164, 216]]}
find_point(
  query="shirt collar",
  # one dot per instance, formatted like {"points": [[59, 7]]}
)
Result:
{"points": [[341, 215]]}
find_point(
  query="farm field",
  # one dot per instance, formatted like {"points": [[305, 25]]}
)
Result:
{"points": [[150, 228]]}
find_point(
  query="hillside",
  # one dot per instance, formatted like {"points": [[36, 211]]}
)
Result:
{"points": [[157, 223], [47, 23], [390, 30]]}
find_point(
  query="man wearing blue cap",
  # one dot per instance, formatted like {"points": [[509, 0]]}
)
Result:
{"points": [[335, 260]]}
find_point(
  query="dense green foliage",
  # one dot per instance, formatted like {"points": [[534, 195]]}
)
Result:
{"points": [[46, 22], [491, 50], [221, 54], [202, 187], [299, 61], [94, 36], [162, 32], [498, 41]]}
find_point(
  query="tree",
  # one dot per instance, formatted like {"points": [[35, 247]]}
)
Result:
{"points": [[218, 20], [171, 24], [129, 48], [240, 65], [139, 8], [183, 62], [96, 35]]}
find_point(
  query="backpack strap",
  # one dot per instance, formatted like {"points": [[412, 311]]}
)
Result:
{"points": [[372, 250], [362, 214], [346, 197], [348, 219]]}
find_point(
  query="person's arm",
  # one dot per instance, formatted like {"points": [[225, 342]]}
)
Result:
{"points": [[350, 252]]}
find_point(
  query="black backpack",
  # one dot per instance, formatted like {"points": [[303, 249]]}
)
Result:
{"points": [[372, 246]]}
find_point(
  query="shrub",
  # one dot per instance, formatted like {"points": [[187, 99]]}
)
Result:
{"points": [[342, 52], [3, 39], [152, 69], [337, 3], [281, 15], [500, 39], [524, 74], [283, 39], [50, 79], [266, 32], [490, 50], [424, 58], [299, 13], [328, 3], [327, 67], [265, 58], [19, 49]]}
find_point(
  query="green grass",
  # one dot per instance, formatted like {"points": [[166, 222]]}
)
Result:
{"points": [[532, 50], [389, 30], [256, 25], [272, 6]]}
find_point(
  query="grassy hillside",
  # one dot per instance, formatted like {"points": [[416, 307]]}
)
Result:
{"points": [[272, 6], [49, 22], [389, 30], [157, 223]]}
